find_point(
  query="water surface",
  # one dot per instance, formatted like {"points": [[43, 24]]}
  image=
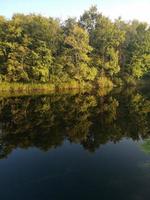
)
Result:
{"points": [[76, 146]]}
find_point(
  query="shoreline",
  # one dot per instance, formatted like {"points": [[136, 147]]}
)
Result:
{"points": [[6, 87]]}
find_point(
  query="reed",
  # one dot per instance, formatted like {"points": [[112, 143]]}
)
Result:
{"points": [[28, 87]]}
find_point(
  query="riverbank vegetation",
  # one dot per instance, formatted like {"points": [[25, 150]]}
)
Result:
{"points": [[93, 50], [38, 87]]}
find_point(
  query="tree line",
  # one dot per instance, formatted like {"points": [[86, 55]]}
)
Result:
{"points": [[93, 49]]}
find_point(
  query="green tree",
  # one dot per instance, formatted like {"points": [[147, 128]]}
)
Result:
{"points": [[75, 56], [105, 39]]}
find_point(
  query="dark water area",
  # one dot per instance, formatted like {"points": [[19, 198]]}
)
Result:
{"points": [[76, 145]]}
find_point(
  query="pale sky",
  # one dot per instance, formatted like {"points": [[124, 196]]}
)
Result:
{"points": [[127, 9]]}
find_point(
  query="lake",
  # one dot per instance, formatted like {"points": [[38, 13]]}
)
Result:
{"points": [[76, 145]]}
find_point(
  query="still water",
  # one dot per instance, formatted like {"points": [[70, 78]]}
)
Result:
{"points": [[76, 145]]}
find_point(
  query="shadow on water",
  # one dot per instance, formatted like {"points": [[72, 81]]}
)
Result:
{"points": [[89, 119]]}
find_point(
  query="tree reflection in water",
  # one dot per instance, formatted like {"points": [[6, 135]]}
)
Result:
{"points": [[90, 119]]}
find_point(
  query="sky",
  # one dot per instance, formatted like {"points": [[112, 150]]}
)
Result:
{"points": [[127, 9]]}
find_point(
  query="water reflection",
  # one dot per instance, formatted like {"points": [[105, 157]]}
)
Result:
{"points": [[90, 119]]}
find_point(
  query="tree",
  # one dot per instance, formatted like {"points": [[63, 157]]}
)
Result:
{"points": [[89, 19], [137, 49], [105, 39], [93, 49], [75, 55]]}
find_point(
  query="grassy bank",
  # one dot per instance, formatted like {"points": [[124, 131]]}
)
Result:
{"points": [[6, 87], [20, 87]]}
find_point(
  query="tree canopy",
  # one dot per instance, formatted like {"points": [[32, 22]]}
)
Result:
{"points": [[34, 48]]}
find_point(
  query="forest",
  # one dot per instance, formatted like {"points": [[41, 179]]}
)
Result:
{"points": [[91, 50]]}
